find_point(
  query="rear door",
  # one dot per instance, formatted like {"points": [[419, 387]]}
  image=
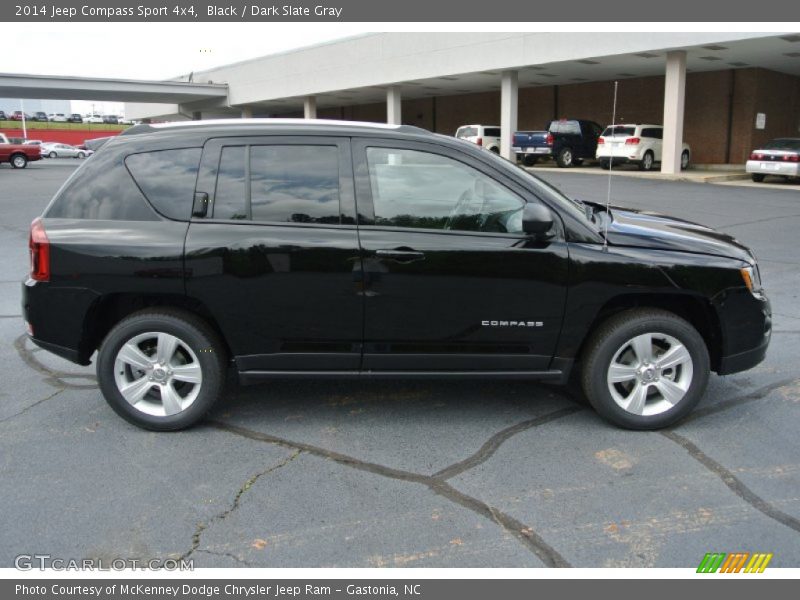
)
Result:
{"points": [[451, 282], [276, 257]]}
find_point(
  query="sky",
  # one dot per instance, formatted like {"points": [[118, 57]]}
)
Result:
{"points": [[154, 50]]}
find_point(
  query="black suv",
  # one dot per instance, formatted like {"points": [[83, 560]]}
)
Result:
{"points": [[308, 249]]}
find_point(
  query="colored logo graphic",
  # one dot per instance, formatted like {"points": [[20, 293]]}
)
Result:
{"points": [[720, 562]]}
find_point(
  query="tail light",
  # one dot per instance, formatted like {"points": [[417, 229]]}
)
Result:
{"points": [[479, 141], [791, 157], [550, 139], [40, 251], [601, 141], [756, 156], [634, 141]]}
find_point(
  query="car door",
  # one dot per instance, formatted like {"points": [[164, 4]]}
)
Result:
{"points": [[275, 258], [450, 281], [655, 136]]}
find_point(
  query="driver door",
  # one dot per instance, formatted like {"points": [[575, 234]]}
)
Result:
{"points": [[450, 281]]}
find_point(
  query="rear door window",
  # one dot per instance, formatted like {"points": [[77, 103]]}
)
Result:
{"points": [[278, 184], [652, 132], [492, 131]]}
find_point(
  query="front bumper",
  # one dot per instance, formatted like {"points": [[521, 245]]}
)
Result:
{"points": [[774, 167], [749, 338]]}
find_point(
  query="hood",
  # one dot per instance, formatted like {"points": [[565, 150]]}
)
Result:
{"points": [[644, 229]]}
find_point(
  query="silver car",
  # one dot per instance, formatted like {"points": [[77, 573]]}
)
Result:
{"points": [[56, 150], [780, 156]]}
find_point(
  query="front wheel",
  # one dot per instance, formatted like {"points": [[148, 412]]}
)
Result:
{"points": [[81, 155], [645, 369], [684, 160], [52, 155], [19, 161], [161, 369]]}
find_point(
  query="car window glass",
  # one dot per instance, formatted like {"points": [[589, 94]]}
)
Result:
{"points": [[652, 132], [229, 199], [492, 131], [618, 130], [783, 144], [424, 190], [465, 132], [167, 179], [297, 184]]}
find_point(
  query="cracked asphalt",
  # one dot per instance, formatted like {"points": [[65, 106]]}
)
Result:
{"points": [[416, 474]]}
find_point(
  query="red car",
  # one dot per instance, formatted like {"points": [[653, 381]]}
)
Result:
{"points": [[19, 155], [17, 116]]}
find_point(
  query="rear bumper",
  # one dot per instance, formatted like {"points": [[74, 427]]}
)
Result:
{"points": [[761, 167], [533, 150]]}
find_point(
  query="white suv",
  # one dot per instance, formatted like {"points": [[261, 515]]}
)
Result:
{"points": [[636, 144], [487, 136]]}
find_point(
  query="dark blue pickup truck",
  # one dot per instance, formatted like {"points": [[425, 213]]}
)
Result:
{"points": [[568, 141]]}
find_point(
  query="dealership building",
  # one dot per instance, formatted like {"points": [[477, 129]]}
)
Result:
{"points": [[722, 93]]}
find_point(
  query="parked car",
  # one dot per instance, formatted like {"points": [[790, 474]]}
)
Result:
{"points": [[568, 141], [486, 136], [58, 117], [110, 120], [18, 155], [635, 144], [93, 119], [183, 249], [17, 115], [33, 142], [75, 118], [780, 157], [39, 116], [58, 150], [3, 116]]}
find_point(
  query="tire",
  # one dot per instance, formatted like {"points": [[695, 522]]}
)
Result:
{"points": [[564, 158], [758, 177], [646, 164], [81, 155], [19, 161], [192, 346], [577, 162], [529, 160], [494, 149], [684, 160], [52, 154], [640, 389], [604, 164]]}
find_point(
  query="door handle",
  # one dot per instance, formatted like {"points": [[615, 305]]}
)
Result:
{"points": [[401, 255]]}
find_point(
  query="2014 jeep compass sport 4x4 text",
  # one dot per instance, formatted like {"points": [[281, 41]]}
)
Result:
{"points": [[315, 248]]}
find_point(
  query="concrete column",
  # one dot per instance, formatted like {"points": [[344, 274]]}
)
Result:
{"points": [[310, 107], [394, 105], [509, 106], [247, 112], [674, 100]]}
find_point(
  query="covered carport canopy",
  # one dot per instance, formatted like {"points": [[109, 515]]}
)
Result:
{"points": [[117, 90]]}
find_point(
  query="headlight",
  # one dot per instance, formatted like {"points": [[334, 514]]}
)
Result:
{"points": [[751, 278]]}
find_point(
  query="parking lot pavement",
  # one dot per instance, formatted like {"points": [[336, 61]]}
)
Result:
{"points": [[446, 474]]}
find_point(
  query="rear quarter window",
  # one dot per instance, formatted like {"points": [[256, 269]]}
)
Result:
{"points": [[167, 178], [101, 189], [492, 131]]}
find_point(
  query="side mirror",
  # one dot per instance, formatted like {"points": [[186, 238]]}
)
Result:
{"points": [[536, 219]]}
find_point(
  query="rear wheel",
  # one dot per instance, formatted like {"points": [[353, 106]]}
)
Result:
{"points": [[564, 158], [53, 154], [529, 160], [646, 164], [161, 370], [604, 164], [758, 177], [495, 149], [645, 369], [19, 161]]}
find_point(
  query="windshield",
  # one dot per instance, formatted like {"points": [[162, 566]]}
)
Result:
{"points": [[783, 144], [618, 130]]}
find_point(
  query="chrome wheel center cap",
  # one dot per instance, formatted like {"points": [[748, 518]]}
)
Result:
{"points": [[647, 373], [159, 374]]}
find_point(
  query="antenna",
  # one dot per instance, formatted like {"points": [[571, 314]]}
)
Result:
{"points": [[610, 168]]}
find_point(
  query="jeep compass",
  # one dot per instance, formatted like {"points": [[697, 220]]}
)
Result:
{"points": [[283, 248]]}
